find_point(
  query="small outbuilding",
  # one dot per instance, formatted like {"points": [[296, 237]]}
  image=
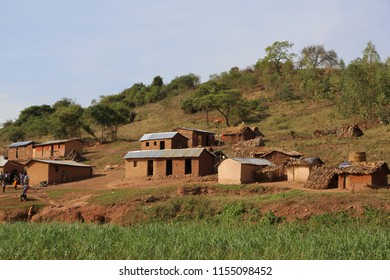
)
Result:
{"points": [[21, 151], [298, 170], [278, 156], [58, 149], [169, 163], [197, 137], [240, 170], [57, 171], [234, 135], [322, 178], [357, 175], [163, 140]]}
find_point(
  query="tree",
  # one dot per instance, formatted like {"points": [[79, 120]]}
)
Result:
{"points": [[370, 55], [157, 82], [109, 117], [66, 121], [315, 56], [278, 53]]}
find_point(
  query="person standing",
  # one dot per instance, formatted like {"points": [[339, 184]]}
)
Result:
{"points": [[3, 183], [23, 196]]}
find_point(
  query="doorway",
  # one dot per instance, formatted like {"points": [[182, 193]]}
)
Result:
{"points": [[168, 170], [150, 167]]}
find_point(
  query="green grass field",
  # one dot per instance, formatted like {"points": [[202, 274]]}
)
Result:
{"points": [[329, 236]]}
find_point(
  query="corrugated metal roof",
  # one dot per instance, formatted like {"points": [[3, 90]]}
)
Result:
{"points": [[156, 136], [61, 162], [56, 142], [169, 153], [3, 161], [20, 144], [254, 161], [195, 129]]}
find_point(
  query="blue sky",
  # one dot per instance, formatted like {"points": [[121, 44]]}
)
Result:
{"points": [[82, 49]]}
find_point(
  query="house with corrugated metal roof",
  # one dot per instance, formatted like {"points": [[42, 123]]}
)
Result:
{"points": [[169, 163], [240, 170], [163, 140], [11, 167], [58, 149], [57, 171], [20, 151], [197, 137]]}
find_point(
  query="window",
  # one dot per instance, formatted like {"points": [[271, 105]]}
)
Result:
{"points": [[17, 153], [155, 143], [135, 163], [147, 144]]}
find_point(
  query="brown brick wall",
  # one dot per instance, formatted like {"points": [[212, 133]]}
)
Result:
{"points": [[352, 181], [59, 150], [24, 153]]}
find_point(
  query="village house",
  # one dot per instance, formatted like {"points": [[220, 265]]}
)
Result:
{"points": [[11, 167], [240, 170], [57, 171], [197, 137], [163, 140], [58, 149], [298, 170], [278, 156], [233, 135], [357, 175], [20, 151], [170, 162]]}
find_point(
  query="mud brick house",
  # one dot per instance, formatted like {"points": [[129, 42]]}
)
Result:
{"points": [[57, 149], [197, 137], [240, 170], [170, 162], [57, 171], [21, 151], [234, 135], [278, 156], [358, 175], [11, 167], [298, 170], [163, 140]]}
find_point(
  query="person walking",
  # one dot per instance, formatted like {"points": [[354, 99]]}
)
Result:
{"points": [[23, 196], [3, 183], [15, 182]]}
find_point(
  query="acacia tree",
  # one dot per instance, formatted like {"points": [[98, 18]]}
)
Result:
{"points": [[278, 53], [315, 56]]}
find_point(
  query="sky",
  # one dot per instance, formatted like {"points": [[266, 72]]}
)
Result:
{"points": [[83, 49]]}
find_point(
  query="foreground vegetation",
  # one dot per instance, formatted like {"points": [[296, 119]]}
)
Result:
{"points": [[329, 236]]}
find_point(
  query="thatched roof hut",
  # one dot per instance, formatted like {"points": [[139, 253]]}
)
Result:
{"points": [[236, 134], [322, 178], [349, 131], [363, 168]]}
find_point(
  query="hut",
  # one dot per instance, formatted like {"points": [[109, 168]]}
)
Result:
{"points": [[322, 177], [349, 131], [278, 156], [240, 170], [21, 151], [234, 135], [58, 149], [197, 137], [298, 170], [10, 167], [57, 171], [257, 131], [169, 163], [357, 175], [163, 140]]}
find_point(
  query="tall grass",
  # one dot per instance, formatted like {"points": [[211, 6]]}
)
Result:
{"points": [[327, 237]]}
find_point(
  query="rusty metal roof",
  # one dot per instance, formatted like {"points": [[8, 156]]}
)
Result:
{"points": [[57, 142], [168, 153]]}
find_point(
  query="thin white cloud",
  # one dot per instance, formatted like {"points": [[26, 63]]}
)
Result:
{"points": [[4, 96]]}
